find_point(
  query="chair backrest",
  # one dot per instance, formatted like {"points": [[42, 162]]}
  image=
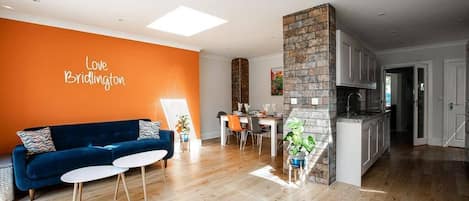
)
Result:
{"points": [[234, 123], [220, 113], [253, 125]]}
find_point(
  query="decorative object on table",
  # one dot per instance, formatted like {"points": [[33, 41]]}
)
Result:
{"points": [[6, 179], [266, 108], [237, 113], [260, 114], [298, 147], [183, 128], [253, 112], [148, 130], [273, 108], [240, 107], [246, 108], [276, 81], [37, 141]]}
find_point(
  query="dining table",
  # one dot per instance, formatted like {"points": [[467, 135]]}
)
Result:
{"points": [[271, 121]]}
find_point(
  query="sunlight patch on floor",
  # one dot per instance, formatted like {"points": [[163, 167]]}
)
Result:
{"points": [[372, 191], [266, 173]]}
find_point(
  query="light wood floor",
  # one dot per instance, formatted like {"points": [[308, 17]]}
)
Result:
{"points": [[216, 173]]}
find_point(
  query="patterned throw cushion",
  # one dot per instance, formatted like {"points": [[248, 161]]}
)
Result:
{"points": [[149, 130], [38, 141]]}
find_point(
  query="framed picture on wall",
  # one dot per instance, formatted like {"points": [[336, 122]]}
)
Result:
{"points": [[276, 81]]}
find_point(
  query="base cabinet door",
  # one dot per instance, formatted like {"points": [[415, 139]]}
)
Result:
{"points": [[366, 154], [374, 140], [381, 141]]}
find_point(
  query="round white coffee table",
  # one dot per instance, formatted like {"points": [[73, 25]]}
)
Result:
{"points": [[141, 160], [86, 174]]}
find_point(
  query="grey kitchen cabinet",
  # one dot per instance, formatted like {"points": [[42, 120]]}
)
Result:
{"points": [[346, 56], [356, 65], [360, 143]]}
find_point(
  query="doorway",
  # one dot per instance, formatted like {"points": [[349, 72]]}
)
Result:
{"points": [[405, 95], [400, 102], [454, 103]]}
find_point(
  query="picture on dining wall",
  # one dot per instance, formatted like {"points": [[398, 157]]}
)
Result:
{"points": [[276, 81]]}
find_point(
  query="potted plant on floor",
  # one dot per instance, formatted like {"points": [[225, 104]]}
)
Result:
{"points": [[299, 145], [183, 127]]}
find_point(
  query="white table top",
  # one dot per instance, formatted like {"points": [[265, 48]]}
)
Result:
{"points": [[140, 159], [91, 173]]}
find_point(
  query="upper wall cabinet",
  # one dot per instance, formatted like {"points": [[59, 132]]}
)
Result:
{"points": [[356, 65]]}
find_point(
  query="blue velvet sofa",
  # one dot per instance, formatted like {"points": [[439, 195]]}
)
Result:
{"points": [[83, 145]]}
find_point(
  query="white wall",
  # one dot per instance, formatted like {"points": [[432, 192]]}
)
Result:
{"points": [[215, 92], [437, 54], [259, 81]]}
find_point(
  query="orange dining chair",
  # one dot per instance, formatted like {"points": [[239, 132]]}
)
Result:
{"points": [[234, 124]]}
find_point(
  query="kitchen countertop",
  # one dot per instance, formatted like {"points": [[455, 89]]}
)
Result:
{"points": [[360, 118]]}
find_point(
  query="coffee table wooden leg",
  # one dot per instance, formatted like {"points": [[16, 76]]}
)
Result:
{"points": [[75, 190], [80, 191], [122, 176], [117, 187], [164, 171], [144, 183]]}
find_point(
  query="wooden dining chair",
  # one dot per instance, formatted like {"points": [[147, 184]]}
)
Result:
{"points": [[234, 124]]}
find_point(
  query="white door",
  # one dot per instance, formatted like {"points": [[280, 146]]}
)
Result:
{"points": [[454, 103], [420, 104]]}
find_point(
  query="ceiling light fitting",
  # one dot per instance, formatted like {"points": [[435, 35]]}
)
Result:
{"points": [[7, 7], [186, 22]]}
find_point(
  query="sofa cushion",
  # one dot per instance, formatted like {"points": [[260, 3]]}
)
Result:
{"points": [[59, 162], [148, 130], [38, 141], [136, 146]]}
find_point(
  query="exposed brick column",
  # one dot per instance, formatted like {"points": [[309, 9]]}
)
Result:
{"points": [[239, 82], [309, 72]]}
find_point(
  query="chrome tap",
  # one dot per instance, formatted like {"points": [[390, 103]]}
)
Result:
{"points": [[348, 100]]}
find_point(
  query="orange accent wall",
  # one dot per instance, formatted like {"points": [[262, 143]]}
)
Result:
{"points": [[33, 59]]}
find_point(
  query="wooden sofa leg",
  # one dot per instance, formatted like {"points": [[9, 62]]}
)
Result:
{"points": [[31, 194], [165, 163]]}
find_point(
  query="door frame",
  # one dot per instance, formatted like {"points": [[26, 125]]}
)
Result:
{"points": [[445, 141], [428, 119]]}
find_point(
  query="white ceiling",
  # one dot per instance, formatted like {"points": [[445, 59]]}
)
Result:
{"points": [[254, 27]]}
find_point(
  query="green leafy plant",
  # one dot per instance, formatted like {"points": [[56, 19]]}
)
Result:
{"points": [[298, 142]]}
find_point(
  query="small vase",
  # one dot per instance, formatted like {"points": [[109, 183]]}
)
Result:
{"points": [[185, 137]]}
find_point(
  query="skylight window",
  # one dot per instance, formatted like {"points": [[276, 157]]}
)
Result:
{"points": [[186, 22]]}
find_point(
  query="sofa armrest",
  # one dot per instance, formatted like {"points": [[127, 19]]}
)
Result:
{"points": [[19, 157], [168, 135]]}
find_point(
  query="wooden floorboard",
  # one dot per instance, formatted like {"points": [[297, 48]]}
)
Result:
{"points": [[212, 172]]}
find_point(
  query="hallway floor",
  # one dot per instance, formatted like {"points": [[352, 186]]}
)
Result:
{"points": [[419, 173]]}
